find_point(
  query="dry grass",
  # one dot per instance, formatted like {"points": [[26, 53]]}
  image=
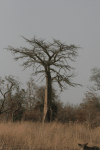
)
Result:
{"points": [[52, 136]]}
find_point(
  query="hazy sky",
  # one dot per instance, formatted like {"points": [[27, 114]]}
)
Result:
{"points": [[71, 21]]}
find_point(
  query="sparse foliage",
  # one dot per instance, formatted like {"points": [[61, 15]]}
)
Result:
{"points": [[52, 60], [95, 77], [7, 85], [89, 109]]}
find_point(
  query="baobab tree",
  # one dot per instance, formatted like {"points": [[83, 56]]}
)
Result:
{"points": [[52, 60]]}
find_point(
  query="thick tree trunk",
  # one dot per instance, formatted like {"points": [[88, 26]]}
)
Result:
{"points": [[47, 101]]}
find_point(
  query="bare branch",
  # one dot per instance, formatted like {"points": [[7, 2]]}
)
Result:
{"points": [[48, 54]]}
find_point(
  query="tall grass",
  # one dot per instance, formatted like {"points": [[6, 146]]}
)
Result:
{"points": [[53, 136]]}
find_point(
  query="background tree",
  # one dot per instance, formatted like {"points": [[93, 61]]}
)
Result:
{"points": [[92, 99], [31, 93], [52, 60], [89, 110], [18, 99], [66, 113], [7, 87], [95, 77]]}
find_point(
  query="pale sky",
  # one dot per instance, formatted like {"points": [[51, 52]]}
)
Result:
{"points": [[71, 21]]}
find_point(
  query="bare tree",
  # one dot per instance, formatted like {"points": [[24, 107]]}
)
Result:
{"points": [[52, 60], [31, 89], [95, 77], [7, 85]]}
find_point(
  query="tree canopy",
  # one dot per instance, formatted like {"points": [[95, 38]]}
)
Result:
{"points": [[52, 60]]}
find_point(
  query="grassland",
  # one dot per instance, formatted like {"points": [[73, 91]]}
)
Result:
{"points": [[53, 136]]}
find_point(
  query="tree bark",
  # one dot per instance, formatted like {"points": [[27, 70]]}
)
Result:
{"points": [[47, 101]]}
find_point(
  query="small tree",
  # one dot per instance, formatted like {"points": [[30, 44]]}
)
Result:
{"points": [[31, 90], [89, 108], [52, 60], [7, 85], [95, 77]]}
